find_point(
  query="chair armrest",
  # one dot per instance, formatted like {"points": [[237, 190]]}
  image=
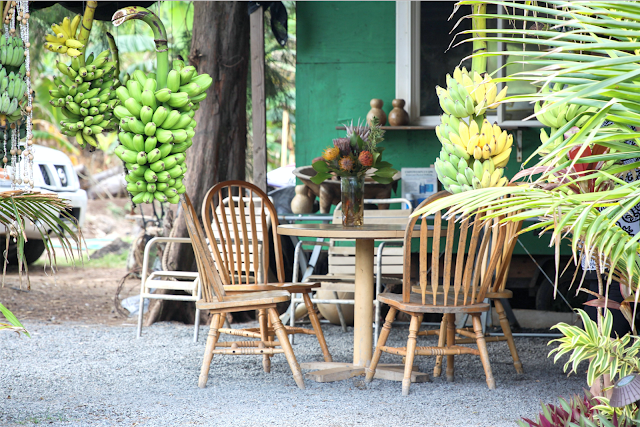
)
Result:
{"points": [[151, 243]]}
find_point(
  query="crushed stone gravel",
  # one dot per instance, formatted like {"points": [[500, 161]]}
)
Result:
{"points": [[75, 374]]}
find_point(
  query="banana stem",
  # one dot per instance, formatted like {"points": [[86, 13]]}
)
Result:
{"points": [[114, 52], [159, 35], [85, 29], [479, 63]]}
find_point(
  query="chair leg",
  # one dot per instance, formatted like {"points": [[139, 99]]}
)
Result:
{"points": [[281, 333], [343, 322], [212, 339], [386, 328], [506, 330], [315, 322], [196, 327], [411, 353], [140, 314], [442, 339], [451, 341], [482, 348], [264, 336]]}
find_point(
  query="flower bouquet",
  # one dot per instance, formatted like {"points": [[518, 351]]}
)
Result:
{"points": [[353, 158]]}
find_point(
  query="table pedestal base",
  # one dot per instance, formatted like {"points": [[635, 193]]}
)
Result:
{"points": [[334, 371]]}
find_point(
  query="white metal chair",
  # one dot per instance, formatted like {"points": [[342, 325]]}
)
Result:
{"points": [[341, 277], [187, 281]]}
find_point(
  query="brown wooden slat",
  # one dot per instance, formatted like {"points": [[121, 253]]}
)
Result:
{"points": [[423, 259], [462, 244], [448, 255], [245, 237], [254, 236], [435, 254]]}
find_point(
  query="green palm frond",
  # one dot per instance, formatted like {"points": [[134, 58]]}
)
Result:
{"points": [[49, 215]]}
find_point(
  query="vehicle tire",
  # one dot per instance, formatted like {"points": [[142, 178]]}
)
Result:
{"points": [[33, 249], [544, 295]]}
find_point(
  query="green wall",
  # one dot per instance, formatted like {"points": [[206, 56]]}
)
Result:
{"points": [[345, 57]]}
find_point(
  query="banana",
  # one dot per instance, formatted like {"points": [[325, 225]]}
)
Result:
{"points": [[150, 129], [141, 158], [166, 149], [173, 81], [150, 144], [135, 90], [133, 106], [502, 159], [140, 77], [148, 98], [163, 95], [159, 116], [485, 182], [164, 136], [177, 100], [146, 114], [171, 120], [138, 142]]}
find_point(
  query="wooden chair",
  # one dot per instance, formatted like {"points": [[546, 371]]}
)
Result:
{"points": [[218, 302], [495, 293], [240, 228], [341, 261], [466, 281]]}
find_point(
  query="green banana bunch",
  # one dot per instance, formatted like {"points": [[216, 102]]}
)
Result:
{"points": [[458, 174], [468, 95], [86, 96], [156, 130], [13, 94], [557, 117], [11, 51]]}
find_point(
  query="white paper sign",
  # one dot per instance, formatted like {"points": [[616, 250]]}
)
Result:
{"points": [[419, 183]]}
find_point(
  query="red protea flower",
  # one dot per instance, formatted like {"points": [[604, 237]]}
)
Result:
{"points": [[344, 145], [346, 163], [366, 158], [331, 153]]}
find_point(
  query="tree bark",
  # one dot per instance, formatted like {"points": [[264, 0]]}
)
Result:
{"points": [[220, 48]]}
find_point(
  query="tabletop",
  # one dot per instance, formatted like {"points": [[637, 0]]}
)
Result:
{"points": [[337, 231]]}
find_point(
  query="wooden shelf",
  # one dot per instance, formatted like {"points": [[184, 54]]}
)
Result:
{"points": [[398, 127]]}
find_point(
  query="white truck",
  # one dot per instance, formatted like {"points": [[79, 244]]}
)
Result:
{"points": [[53, 172]]}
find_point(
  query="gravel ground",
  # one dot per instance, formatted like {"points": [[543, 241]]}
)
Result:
{"points": [[73, 374]]}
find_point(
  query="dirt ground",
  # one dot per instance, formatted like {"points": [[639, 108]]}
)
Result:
{"points": [[82, 293], [72, 294]]}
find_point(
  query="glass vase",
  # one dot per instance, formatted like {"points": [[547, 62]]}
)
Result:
{"points": [[352, 200]]}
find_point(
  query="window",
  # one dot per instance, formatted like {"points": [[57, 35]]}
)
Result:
{"points": [[423, 36]]}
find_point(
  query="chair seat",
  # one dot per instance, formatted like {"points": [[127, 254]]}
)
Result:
{"points": [[245, 300], [348, 278], [505, 293], [415, 304], [294, 288]]}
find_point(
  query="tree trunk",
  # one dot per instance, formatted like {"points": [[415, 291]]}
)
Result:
{"points": [[220, 48]]}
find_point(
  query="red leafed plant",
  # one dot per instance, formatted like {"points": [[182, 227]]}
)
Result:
{"points": [[575, 411]]}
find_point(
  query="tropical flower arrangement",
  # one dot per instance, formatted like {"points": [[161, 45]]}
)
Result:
{"points": [[357, 154]]}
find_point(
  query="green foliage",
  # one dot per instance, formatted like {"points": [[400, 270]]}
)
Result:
{"points": [[14, 324], [591, 58], [613, 356]]}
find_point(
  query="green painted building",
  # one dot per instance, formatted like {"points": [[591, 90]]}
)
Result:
{"points": [[346, 56]]}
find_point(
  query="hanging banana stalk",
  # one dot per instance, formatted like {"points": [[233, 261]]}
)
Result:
{"points": [[156, 119]]}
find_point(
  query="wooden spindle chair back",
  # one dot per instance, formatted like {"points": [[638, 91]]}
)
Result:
{"points": [[465, 280], [212, 288], [238, 217], [511, 230]]}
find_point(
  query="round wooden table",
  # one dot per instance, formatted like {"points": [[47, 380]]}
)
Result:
{"points": [[364, 289]]}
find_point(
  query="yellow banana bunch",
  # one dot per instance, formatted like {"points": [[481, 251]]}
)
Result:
{"points": [[64, 38], [557, 117], [471, 156]]}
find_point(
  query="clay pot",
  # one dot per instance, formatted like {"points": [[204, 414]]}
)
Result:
{"points": [[301, 203], [376, 111], [397, 116]]}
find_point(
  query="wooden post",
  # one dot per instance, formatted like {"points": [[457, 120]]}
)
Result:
{"points": [[284, 143], [258, 100]]}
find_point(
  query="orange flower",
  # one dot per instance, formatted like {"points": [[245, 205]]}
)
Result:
{"points": [[331, 153], [346, 163], [366, 158]]}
